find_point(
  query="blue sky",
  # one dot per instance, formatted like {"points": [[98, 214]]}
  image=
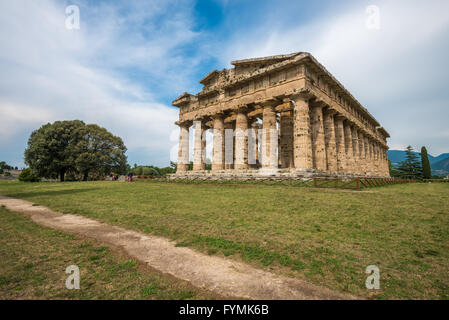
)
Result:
{"points": [[130, 59]]}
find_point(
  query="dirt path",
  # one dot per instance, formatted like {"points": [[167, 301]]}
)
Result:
{"points": [[223, 276]]}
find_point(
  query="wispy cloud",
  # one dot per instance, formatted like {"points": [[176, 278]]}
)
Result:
{"points": [[50, 73], [397, 71]]}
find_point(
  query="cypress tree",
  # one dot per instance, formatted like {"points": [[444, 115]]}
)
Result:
{"points": [[427, 173]]}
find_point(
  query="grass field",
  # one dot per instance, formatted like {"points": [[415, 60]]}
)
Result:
{"points": [[325, 236], [34, 259]]}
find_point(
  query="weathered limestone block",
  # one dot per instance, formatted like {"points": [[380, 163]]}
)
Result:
{"points": [[183, 151], [330, 141], [218, 150], [318, 142], [302, 151]]}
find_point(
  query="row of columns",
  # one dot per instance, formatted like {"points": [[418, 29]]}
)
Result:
{"points": [[310, 136]]}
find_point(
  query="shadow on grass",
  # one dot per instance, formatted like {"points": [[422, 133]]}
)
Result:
{"points": [[32, 194]]}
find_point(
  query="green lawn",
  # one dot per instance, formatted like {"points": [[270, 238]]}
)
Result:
{"points": [[34, 259], [326, 236]]}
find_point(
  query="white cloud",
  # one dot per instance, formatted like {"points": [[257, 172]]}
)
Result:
{"points": [[397, 72], [50, 73]]}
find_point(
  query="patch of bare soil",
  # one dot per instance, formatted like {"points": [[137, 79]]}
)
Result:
{"points": [[225, 277]]}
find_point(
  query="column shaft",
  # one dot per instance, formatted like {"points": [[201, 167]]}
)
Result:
{"points": [[286, 141], [269, 138], [218, 144], [302, 135], [183, 149], [241, 141], [355, 148], [229, 145], [340, 139], [362, 152], [199, 146], [349, 148], [318, 142], [331, 143], [253, 148]]}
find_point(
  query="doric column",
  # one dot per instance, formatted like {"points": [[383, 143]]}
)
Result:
{"points": [[241, 140], [366, 163], [302, 134], [318, 142], [377, 158], [286, 139], [183, 149], [330, 140], [218, 143], [199, 146], [269, 138], [355, 148], [340, 139], [253, 148], [229, 145], [349, 148], [362, 152], [387, 167], [371, 157]]}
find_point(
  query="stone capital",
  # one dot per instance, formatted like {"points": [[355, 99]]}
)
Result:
{"points": [[303, 94], [184, 124], [218, 115], [268, 103], [241, 109], [329, 111]]}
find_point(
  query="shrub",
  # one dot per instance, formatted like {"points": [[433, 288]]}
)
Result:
{"points": [[27, 175]]}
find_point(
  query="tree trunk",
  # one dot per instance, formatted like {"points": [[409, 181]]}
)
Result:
{"points": [[86, 174], [61, 175]]}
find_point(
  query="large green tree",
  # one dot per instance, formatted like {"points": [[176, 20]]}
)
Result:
{"points": [[74, 147], [411, 166], [427, 173], [49, 153], [97, 150]]}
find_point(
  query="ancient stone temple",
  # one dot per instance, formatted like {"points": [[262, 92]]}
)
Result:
{"points": [[283, 116]]}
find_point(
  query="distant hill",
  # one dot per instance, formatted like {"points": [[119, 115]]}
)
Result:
{"points": [[441, 165], [397, 156], [441, 157]]}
